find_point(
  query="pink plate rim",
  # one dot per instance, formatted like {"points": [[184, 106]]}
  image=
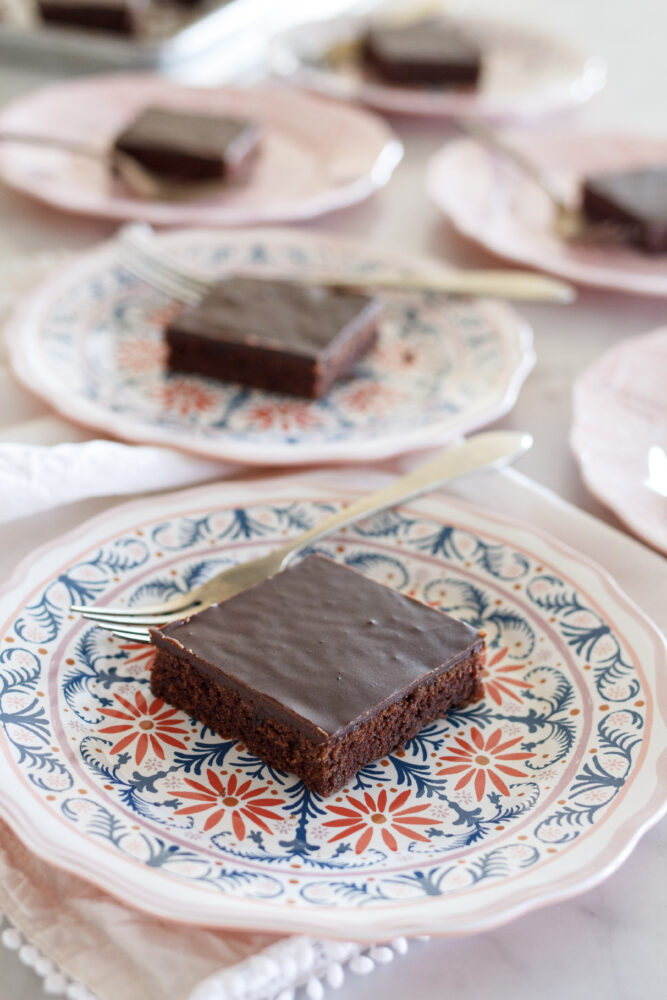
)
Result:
{"points": [[417, 918], [443, 165], [378, 172], [434, 104], [27, 315], [578, 444]]}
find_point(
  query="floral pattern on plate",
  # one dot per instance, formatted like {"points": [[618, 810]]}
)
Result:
{"points": [[91, 343], [506, 802]]}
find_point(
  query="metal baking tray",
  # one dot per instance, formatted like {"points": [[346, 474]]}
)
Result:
{"points": [[172, 35]]}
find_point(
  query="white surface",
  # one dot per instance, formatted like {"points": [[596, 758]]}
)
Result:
{"points": [[608, 943]]}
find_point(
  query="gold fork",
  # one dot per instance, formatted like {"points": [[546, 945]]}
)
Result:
{"points": [[486, 450]]}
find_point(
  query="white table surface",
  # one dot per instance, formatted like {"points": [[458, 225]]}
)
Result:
{"points": [[608, 943]]}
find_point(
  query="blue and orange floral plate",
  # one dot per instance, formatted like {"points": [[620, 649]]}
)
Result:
{"points": [[534, 793], [90, 343]]}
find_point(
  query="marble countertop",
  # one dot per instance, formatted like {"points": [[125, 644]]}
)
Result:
{"points": [[607, 942]]}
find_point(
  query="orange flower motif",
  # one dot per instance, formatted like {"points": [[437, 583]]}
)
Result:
{"points": [[480, 759], [186, 397], [371, 396], [499, 683], [163, 315], [143, 652], [147, 724], [240, 799], [377, 813], [141, 354], [283, 415]]}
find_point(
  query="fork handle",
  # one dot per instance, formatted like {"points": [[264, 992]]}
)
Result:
{"points": [[142, 255], [494, 141], [53, 142], [492, 448], [517, 285]]}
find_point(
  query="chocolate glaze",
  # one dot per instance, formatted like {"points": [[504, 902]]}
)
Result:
{"points": [[431, 51], [636, 199], [276, 315], [320, 646], [273, 335], [182, 145], [115, 16]]}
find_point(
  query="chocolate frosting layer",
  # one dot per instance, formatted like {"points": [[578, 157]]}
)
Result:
{"points": [[427, 41], [207, 135], [641, 193], [300, 319], [320, 645]]}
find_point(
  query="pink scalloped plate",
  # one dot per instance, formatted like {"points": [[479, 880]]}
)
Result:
{"points": [[525, 73], [90, 342], [532, 794], [619, 433], [492, 203], [316, 156]]}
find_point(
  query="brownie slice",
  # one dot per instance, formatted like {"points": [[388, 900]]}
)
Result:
{"points": [[319, 670], [634, 200], [427, 53], [273, 334], [115, 16], [181, 146]]}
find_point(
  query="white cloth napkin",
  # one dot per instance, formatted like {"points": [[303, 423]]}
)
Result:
{"points": [[35, 477], [45, 461]]}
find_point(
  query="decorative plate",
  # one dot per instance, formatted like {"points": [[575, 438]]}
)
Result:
{"points": [[525, 73], [619, 433], [90, 343], [536, 792], [316, 156], [493, 203]]}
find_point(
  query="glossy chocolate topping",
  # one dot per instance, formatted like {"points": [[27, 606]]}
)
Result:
{"points": [[320, 645], [301, 319], [158, 129], [428, 41], [641, 193]]}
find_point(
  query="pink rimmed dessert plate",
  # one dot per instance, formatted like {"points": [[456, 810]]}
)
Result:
{"points": [[532, 794], [316, 156], [493, 203], [90, 342], [619, 433]]}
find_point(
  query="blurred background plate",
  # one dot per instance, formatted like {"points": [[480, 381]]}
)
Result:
{"points": [[90, 343], [316, 156], [525, 73], [619, 433], [493, 203]]}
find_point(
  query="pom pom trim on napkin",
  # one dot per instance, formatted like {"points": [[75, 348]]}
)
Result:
{"points": [[273, 974]]}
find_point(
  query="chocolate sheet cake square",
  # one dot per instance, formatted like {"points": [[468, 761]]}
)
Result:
{"points": [[183, 147], [427, 53], [635, 200], [274, 335], [115, 16], [319, 670]]}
